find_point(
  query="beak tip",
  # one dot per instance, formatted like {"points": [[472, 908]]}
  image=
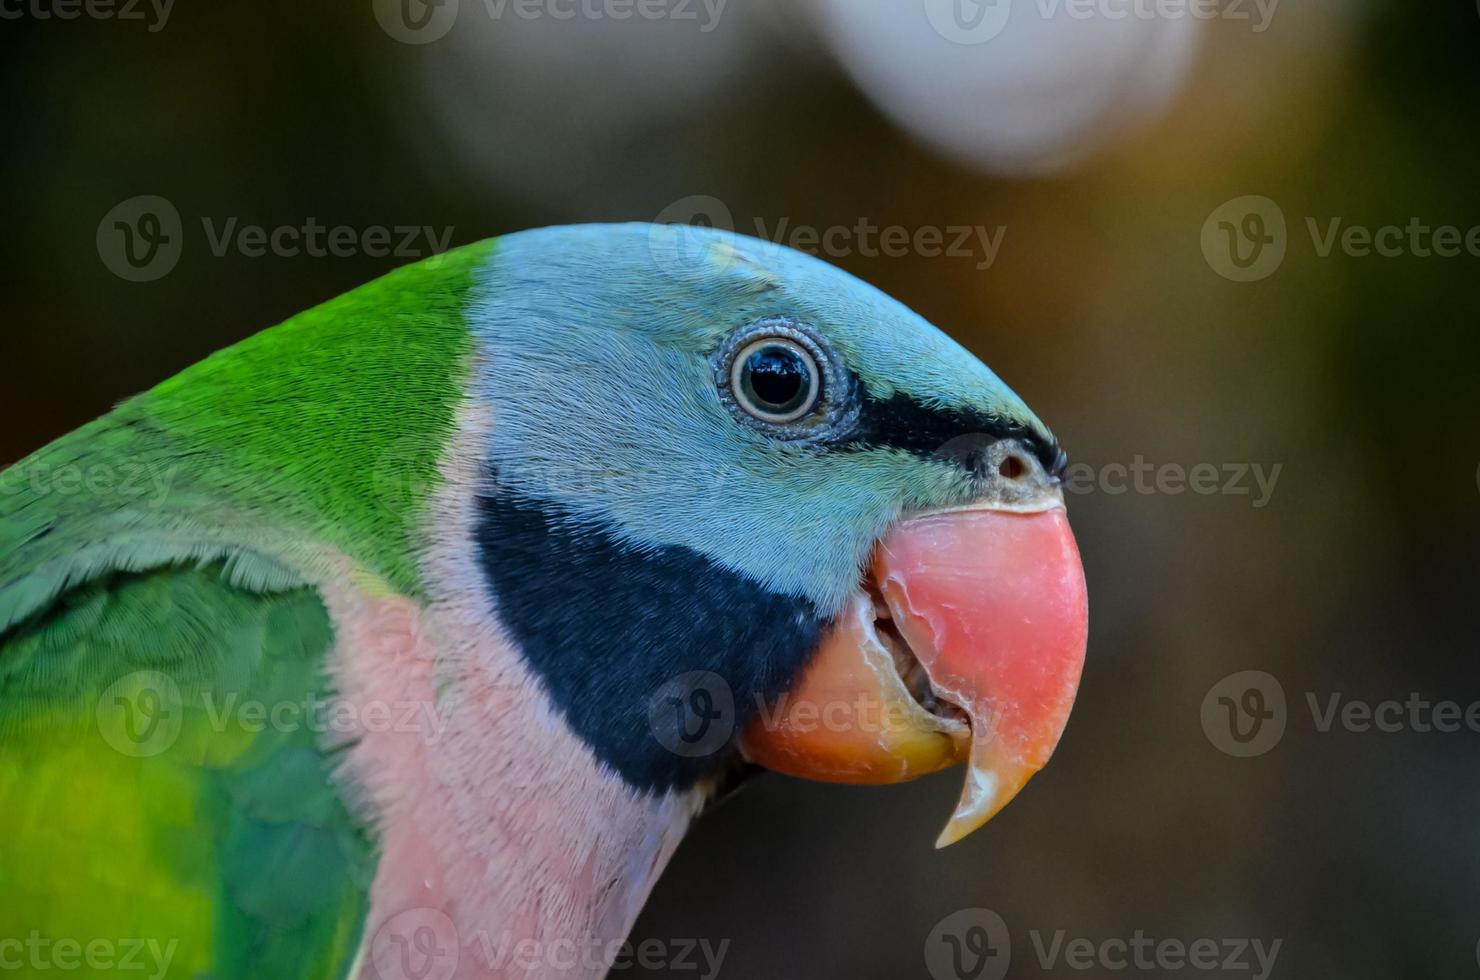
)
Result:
{"points": [[987, 792], [948, 836]]}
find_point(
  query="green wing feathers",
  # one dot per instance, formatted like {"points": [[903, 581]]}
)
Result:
{"points": [[168, 787]]}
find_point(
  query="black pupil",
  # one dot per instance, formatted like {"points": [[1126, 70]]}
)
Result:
{"points": [[778, 379]]}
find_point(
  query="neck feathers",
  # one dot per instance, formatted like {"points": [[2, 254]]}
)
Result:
{"points": [[498, 826]]}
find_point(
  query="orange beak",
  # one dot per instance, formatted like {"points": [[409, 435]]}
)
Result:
{"points": [[965, 646]]}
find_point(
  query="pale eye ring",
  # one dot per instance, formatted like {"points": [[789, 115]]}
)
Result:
{"points": [[776, 380]]}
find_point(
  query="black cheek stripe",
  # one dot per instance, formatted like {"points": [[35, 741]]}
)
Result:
{"points": [[609, 629], [901, 422]]}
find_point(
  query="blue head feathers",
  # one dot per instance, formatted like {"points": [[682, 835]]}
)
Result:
{"points": [[610, 409]]}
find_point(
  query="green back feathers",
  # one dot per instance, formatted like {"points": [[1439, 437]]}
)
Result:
{"points": [[329, 426], [337, 419]]}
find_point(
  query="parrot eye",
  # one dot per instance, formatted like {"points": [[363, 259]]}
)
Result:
{"points": [[776, 380], [781, 377]]}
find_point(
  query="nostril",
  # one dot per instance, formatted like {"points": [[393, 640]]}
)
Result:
{"points": [[1012, 467]]}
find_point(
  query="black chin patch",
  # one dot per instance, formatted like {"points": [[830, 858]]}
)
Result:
{"points": [[657, 658]]}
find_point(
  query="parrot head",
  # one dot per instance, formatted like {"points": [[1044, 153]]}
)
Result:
{"points": [[741, 507]]}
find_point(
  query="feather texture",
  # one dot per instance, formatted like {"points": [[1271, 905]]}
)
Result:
{"points": [[168, 754]]}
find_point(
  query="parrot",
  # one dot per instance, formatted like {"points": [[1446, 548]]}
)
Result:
{"points": [[407, 638]]}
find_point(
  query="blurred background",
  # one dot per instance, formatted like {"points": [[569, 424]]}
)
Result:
{"points": [[1139, 212]]}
